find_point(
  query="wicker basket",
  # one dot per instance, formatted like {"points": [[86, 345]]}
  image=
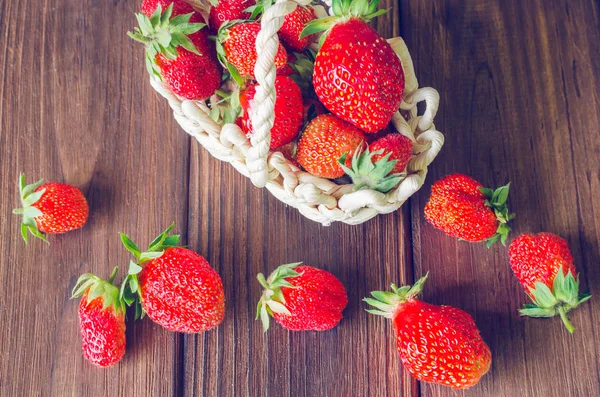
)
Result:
{"points": [[319, 199]]}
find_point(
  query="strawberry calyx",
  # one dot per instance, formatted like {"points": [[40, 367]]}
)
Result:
{"points": [[343, 10], [92, 287], [369, 174], [496, 200], [162, 34], [562, 298], [387, 303], [130, 291], [272, 299], [29, 197]]}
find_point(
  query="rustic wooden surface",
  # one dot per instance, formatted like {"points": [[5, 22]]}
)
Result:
{"points": [[520, 102]]}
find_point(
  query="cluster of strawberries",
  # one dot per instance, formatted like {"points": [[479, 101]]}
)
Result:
{"points": [[355, 75], [179, 290]]}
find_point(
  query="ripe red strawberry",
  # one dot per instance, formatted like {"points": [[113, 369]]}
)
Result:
{"points": [[357, 76], [324, 141], [381, 166], [50, 208], [236, 47], [288, 110], [545, 268], [179, 53], [174, 286], [293, 25], [461, 207], [101, 319], [290, 152], [301, 298], [180, 7], [228, 10], [439, 344], [400, 149]]}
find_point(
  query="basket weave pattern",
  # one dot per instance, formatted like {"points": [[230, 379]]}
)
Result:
{"points": [[318, 199]]}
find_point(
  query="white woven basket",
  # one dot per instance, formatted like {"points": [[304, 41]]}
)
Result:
{"points": [[319, 199]]}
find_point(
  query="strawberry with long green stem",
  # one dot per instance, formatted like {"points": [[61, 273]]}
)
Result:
{"points": [[544, 265]]}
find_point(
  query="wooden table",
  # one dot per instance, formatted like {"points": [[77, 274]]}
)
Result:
{"points": [[520, 102]]}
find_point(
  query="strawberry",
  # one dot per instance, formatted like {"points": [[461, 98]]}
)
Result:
{"points": [[461, 207], [545, 268], [228, 10], [381, 166], [290, 152], [50, 208], [179, 53], [292, 26], [301, 298], [180, 7], [439, 344], [174, 286], [324, 141], [236, 48], [357, 76], [398, 146], [101, 319], [288, 111]]}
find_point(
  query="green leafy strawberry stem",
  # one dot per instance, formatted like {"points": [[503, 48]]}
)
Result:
{"points": [[342, 11], [386, 303], [96, 287], [130, 291], [496, 199], [563, 298], [162, 34], [29, 197], [272, 299], [369, 174]]}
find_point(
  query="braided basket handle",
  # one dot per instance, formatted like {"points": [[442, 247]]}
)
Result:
{"points": [[267, 44]]}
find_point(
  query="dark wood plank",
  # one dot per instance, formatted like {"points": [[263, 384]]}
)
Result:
{"points": [[519, 102], [76, 107]]}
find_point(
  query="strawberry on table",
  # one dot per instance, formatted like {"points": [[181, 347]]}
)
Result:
{"points": [[324, 141], [461, 207], [288, 110], [301, 298], [174, 286], [228, 10], [357, 75], [545, 267], [439, 344], [101, 319], [179, 53], [236, 48], [50, 208]]}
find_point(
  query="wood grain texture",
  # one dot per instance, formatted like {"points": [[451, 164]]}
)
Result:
{"points": [[519, 94], [77, 108], [519, 102]]}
